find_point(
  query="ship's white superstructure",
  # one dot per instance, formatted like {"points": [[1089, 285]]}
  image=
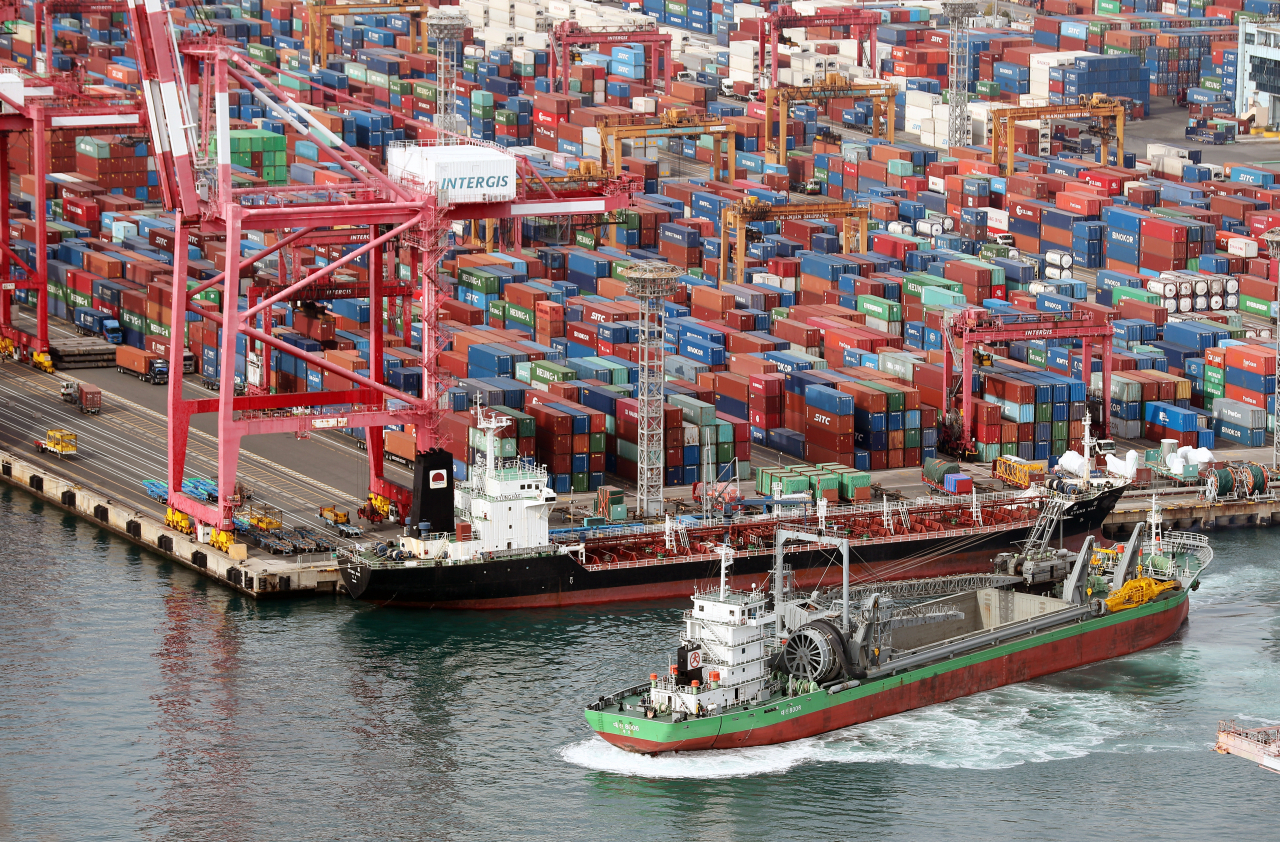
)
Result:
{"points": [[504, 506]]}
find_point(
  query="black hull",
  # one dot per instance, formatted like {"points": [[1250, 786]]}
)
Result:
{"points": [[560, 580]]}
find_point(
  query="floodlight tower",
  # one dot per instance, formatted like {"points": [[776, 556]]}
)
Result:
{"points": [[650, 281], [446, 26], [959, 126]]}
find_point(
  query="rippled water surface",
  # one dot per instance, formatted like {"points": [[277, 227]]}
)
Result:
{"points": [[138, 701]]}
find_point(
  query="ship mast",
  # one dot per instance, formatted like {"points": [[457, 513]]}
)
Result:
{"points": [[1087, 441], [726, 559]]}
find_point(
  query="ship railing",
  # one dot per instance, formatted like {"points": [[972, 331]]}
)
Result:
{"points": [[617, 697], [1266, 736], [838, 512], [967, 532], [384, 563]]}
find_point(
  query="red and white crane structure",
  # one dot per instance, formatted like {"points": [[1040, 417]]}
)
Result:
{"points": [[191, 142], [373, 208]]}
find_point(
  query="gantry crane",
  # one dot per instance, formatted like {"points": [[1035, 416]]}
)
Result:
{"points": [[37, 103], [861, 22], [1095, 106], [737, 215], [834, 86], [675, 122], [974, 326], [318, 40], [570, 34]]}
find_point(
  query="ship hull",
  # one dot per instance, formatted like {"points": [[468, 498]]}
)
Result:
{"points": [[798, 717], [559, 580]]}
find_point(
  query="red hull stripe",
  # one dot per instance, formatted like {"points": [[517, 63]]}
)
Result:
{"points": [[1101, 639]]}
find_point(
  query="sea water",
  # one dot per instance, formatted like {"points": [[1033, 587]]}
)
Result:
{"points": [[140, 701]]}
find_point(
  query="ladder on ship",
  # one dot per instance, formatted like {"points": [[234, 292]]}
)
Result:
{"points": [[1042, 531]]}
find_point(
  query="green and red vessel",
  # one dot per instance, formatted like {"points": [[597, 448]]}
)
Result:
{"points": [[757, 667]]}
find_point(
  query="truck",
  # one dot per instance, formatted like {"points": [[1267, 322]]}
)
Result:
{"points": [[61, 442], [149, 367], [86, 398], [91, 322]]}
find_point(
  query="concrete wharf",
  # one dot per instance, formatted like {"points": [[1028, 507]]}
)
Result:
{"points": [[124, 445]]}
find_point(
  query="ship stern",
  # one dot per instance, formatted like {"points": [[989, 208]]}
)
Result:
{"points": [[355, 577]]}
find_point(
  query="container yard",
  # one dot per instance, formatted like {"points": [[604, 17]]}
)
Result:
{"points": [[906, 249], [886, 375]]}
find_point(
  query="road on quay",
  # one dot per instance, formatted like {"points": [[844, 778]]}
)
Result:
{"points": [[124, 445]]}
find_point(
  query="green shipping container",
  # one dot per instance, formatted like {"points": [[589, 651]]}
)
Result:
{"points": [[261, 53], [155, 328], [677, 8], [1256, 306], [75, 298], [520, 315], [524, 424], [880, 308]]}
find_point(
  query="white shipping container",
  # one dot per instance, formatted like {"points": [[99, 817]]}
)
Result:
{"points": [[464, 173], [998, 218], [559, 9], [1242, 247], [521, 22], [922, 99]]}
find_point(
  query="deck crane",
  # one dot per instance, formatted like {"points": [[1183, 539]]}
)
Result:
{"points": [[974, 326], [570, 34], [862, 25], [736, 216], [834, 86]]}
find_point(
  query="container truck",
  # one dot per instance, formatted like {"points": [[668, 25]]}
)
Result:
{"points": [[86, 398], [148, 366], [91, 322]]}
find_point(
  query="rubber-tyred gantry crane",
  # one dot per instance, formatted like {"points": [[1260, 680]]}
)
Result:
{"points": [[834, 86], [975, 326], [675, 122], [570, 34], [1095, 106], [737, 215], [862, 28]]}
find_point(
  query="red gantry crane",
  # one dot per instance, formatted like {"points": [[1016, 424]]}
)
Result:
{"points": [[570, 34], [371, 212], [41, 103], [861, 23], [974, 326]]}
